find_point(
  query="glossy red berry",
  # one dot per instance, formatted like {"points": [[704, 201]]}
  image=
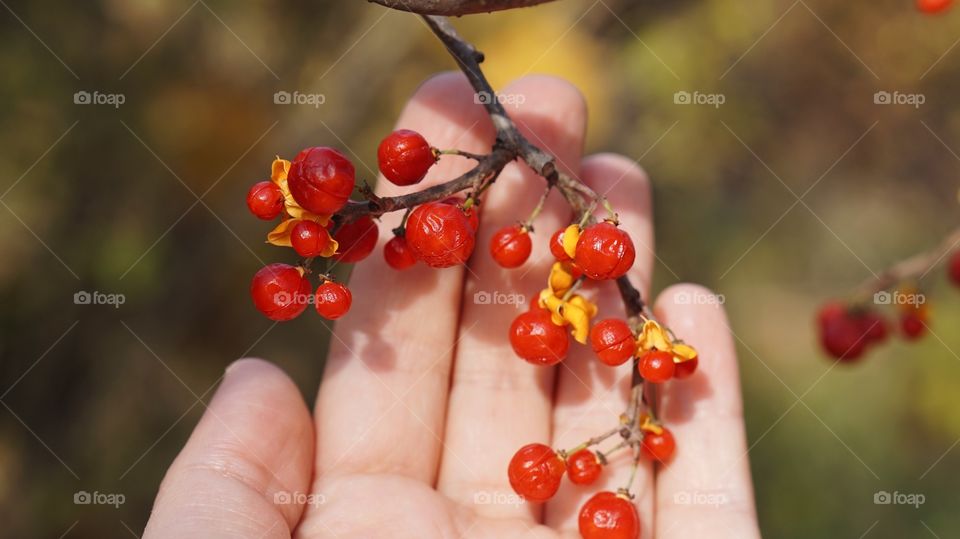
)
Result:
{"points": [[656, 366], [265, 200], [953, 268], [309, 238], [321, 180], [604, 251], [874, 326], [841, 335], [472, 213], [440, 234], [685, 369], [332, 300], [535, 338], [608, 515], [556, 246], [535, 472], [356, 240], [659, 447], [405, 157], [583, 467], [933, 6], [280, 291], [511, 246], [913, 325], [398, 254], [612, 341]]}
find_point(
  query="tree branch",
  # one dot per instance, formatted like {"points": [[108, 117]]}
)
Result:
{"points": [[456, 7]]}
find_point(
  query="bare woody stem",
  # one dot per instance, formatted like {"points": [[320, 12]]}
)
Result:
{"points": [[456, 7], [911, 268]]}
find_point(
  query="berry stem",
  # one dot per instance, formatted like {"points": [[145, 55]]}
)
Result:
{"points": [[912, 268], [528, 224], [461, 153]]}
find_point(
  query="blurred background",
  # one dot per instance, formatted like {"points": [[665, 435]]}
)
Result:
{"points": [[793, 190]]}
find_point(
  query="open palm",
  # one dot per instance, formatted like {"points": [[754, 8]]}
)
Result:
{"points": [[423, 402]]}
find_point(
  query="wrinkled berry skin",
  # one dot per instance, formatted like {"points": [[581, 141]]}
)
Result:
{"points": [[604, 252], [609, 516], [612, 341], [536, 339], [404, 157], [265, 200], [535, 472], [440, 235], [332, 300], [321, 180], [280, 292], [510, 246], [398, 254]]}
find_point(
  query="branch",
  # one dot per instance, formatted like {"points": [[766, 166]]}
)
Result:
{"points": [[909, 268], [456, 7]]}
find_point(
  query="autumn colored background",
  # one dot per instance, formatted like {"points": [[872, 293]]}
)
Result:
{"points": [[794, 190]]}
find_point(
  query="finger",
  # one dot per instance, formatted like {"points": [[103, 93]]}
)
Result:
{"points": [[387, 373], [497, 401], [245, 470], [706, 489], [590, 395]]}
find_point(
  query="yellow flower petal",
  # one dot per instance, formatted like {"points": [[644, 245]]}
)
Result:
{"points": [[578, 311], [330, 249], [560, 279], [652, 336], [278, 172], [571, 235], [683, 352], [280, 235]]}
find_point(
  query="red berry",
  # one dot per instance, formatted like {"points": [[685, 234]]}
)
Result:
{"points": [[685, 369], [440, 235], [265, 200], [405, 157], [612, 341], [656, 366], [473, 213], [356, 240], [556, 246], [280, 291], [953, 268], [511, 246], [535, 472], [537, 339], [398, 253], [332, 300], [933, 6], [873, 325], [609, 516], [659, 447], [321, 180], [841, 335], [604, 251], [913, 325], [583, 467], [309, 238]]}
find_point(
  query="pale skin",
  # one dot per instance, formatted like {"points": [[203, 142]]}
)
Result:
{"points": [[423, 402]]}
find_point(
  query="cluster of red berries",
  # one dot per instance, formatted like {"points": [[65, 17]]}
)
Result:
{"points": [[847, 330], [933, 6], [536, 471]]}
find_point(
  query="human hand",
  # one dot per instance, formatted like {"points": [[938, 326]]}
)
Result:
{"points": [[423, 402]]}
